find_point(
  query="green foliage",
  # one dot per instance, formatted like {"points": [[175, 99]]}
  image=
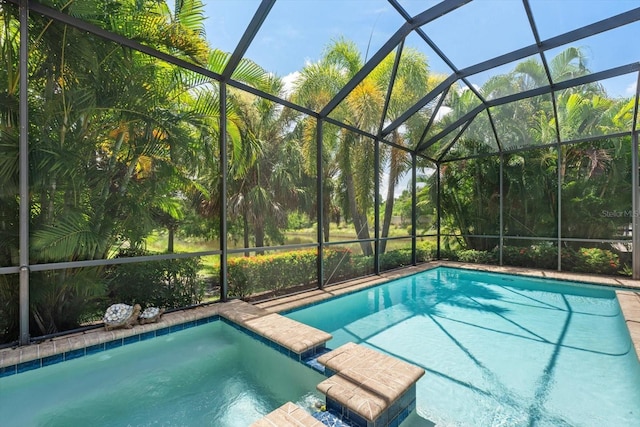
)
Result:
{"points": [[61, 299], [395, 259], [9, 303], [545, 256], [249, 275], [538, 256], [297, 221], [339, 264], [171, 283], [475, 256], [591, 260]]}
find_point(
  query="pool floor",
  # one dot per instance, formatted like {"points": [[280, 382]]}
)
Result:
{"points": [[497, 352]]}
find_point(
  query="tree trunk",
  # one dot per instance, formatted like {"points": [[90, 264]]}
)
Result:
{"points": [[326, 218], [172, 233], [359, 220], [259, 233], [245, 233], [388, 212]]}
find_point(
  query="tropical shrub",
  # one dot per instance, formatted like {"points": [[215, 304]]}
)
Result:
{"points": [[545, 256], [171, 283], [395, 259], [535, 256], [274, 272], [591, 260], [475, 256], [9, 308]]}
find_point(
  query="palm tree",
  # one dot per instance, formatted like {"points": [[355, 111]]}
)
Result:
{"points": [[347, 157], [109, 130], [9, 184], [411, 82], [263, 193]]}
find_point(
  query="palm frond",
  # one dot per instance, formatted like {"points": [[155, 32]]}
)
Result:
{"points": [[70, 238]]}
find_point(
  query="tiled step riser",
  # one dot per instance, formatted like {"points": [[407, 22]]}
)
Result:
{"points": [[391, 417]]}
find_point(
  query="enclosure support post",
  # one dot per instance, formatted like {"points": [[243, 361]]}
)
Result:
{"points": [[224, 285], [24, 176], [438, 210], [501, 225], [320, 203], [559, 211], [414, 210], [376, 211], [635, 200]]}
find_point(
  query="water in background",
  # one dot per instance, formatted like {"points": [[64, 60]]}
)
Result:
{"points": [[210, 375], [498, 350]]}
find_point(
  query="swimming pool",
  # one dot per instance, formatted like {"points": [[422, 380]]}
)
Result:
{"points": [[498, 350], [209, 375]]}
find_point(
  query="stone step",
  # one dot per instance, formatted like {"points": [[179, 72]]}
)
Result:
{"points": [[367, 387], [288, 415]]}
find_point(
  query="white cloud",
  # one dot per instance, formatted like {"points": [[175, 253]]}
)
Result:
{"points": [[443, 111], [288, 81]]}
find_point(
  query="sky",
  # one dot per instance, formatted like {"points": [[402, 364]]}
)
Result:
{"points": [[297, 31]]}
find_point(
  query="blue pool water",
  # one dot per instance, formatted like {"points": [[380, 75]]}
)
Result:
{"points": [[498, 350], [210, 375]]}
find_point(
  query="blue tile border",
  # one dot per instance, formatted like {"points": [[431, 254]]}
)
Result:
{"points": [[29, 366], [52, 360], [8, 370], [94, 349], [113, 344], [97, 348], [74, 354]]}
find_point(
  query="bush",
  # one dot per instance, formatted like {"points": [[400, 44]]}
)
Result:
{"points": [[248, 275], [536, 256], [338, 264], [395, 259], [171, 283], [479, 257], [9, 308], [591, 260]]}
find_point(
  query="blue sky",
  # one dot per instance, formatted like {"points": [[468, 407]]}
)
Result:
{"points": [[297, 31]]}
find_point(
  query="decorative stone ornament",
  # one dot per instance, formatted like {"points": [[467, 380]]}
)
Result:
{"points": [[121, 316], [150, 315]]}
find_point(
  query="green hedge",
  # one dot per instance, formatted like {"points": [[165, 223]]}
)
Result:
{"points": [[277, 272], [584, 260], [171, 283], [249, 275], [544, 256]]}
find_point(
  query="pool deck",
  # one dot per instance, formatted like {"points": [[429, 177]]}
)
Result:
{"points": [[251, 316]]}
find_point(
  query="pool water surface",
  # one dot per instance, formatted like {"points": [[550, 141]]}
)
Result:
{"points": [[498, 350], [209, 375]]}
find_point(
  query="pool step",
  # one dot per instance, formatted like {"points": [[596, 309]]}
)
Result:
{"points": [[288, 415], [369, 388], [303, 340]]}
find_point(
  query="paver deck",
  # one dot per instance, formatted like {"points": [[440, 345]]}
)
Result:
{"points": [[288, 333], [79, 340], [630, 305], [366, 381], [288, 415]]}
